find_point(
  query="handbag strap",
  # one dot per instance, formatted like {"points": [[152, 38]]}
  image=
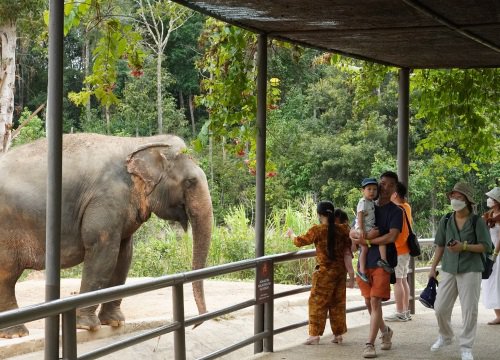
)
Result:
{"points": [[407, 221], [474, 221]]}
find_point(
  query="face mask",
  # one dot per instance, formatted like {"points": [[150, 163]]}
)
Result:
{"points": [[457, 205], [490, 202]]}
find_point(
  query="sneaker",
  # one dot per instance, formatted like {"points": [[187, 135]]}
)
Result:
{"points": [[369, 351], [467, 354], [401, 317], [408, 315], [386, 339], [440, 343], [385, 265], [362, 276]]}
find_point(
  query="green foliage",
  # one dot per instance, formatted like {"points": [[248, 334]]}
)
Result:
{"points": [[137, 114], [460, 115], [229, 85], [117, 40], [32, 131], [229, 88], [12, 10], [161, 248]]}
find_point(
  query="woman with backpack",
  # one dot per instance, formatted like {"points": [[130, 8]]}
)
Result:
{"points": [[460, 240]]}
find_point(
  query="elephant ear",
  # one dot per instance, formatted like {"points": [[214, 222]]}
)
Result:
{"points": [[148, 162]]}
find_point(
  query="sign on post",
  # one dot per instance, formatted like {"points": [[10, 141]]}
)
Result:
{"points": [[265, 284]]}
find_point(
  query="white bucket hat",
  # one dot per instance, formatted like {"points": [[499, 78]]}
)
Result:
{"points": [[494, 194]]}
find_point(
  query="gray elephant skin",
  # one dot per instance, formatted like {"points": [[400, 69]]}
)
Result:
{"points": [[111, 185]]}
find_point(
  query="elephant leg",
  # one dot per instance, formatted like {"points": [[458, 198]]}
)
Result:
{"points": [[8, 278], [98, 266], [110, 313]]}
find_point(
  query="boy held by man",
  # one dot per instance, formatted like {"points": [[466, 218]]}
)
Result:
{"points": [[365, 221]]}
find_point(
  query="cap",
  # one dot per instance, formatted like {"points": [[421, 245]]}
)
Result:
{"points": [[494, 194], [369, 181], [464, 189]]}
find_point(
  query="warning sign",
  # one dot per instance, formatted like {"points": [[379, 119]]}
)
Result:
{"points": [[265, 284]]}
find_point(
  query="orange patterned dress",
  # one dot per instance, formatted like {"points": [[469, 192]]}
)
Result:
{"points": [[328, 292]]}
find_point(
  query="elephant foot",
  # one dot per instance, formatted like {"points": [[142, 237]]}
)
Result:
{"points": [[13, 332], [111, 316], [88, 322]]}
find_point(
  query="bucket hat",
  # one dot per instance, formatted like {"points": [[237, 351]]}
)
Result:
{"points": [[494, 194], [369, 181], [464, 189]]}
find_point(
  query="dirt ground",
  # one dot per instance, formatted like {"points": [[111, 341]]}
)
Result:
{"points": [[154, 309], [411, 340]]}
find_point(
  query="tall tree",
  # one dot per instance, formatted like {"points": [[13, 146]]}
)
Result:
{"points": [[10, 12], [117, 42], [154, 15], [182, 55]]}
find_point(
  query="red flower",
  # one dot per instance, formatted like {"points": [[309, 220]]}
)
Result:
{"points": [[240, 153]]}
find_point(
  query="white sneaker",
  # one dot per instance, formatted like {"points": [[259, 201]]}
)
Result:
{"points": [[401, 317], [467, 354], [408, 314], [440, 343]]}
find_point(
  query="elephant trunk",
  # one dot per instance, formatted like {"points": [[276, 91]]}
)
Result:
{"points": [[199, 209]]}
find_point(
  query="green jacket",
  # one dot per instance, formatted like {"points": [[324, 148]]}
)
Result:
{"points": [[464, 261]]}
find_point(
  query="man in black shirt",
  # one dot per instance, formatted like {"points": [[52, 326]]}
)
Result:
{"points": [[389, 221]]}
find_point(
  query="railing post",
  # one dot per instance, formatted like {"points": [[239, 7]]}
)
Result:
{"points": [[54, 173], [269, 320], [411, 283], [179, 334], [402, 155], [69, 335], [261, 172]]}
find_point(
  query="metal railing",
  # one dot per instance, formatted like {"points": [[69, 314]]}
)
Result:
{"points": [[67, 307]]}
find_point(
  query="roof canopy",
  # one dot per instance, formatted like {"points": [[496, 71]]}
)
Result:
{"points": [[403, 33]]}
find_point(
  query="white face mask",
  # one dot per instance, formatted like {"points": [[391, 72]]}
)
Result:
{"points": [[490, 202], [458, 205]]}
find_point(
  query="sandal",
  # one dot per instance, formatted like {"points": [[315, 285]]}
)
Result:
{"points": [[337, 339], [312, 340]]}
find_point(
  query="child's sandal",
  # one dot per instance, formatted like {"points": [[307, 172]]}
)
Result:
{"points": [[337, 339]]}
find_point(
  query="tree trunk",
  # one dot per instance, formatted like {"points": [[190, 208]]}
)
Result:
{"points": [[108, 120], [159, 101], [20, 85], [191, 112], [7, 81], [181, 100], [87, 72]]}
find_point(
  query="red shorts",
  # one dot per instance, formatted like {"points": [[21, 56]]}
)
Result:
{"points": [[379, 285]]}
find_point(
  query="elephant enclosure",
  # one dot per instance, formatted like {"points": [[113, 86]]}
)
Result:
{"points": [[151, 310]]}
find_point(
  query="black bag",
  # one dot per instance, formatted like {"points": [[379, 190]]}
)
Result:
{"points": [[428, 295], [412, 240], [488, 266]]}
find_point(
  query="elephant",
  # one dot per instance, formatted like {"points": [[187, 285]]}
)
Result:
{"points": [[110, 187]]}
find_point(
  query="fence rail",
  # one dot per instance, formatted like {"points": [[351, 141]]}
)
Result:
{"points": [[67, 308]]}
